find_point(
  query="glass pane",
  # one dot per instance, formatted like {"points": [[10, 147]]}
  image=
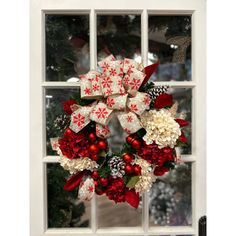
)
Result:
{"points": [[111, 214], [119, 35], [54, 99], [64, 208], [67, 46], [170, 198], [170, 42], [184, 98]]}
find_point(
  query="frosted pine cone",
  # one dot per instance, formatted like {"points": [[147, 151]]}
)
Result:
{"points": [[61, 122], [117, 167], [156, 91]]}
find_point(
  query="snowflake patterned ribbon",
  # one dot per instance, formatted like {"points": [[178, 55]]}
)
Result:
{"points": [[116, 91]]}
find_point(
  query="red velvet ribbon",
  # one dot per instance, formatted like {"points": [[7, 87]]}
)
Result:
{"points": [[181, 122], [74, 181], [132, 197], [149, 70]]}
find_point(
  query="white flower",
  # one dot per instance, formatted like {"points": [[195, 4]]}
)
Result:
{"points": [[161, 128], [76, 165], [146, 178]]}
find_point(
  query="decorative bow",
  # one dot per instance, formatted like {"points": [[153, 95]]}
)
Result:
{"points": [[116, 91]]}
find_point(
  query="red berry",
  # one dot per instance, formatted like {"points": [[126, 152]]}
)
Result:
{"points": [[94, 149], [102, 144], [103, 181], [137, 170], [92, 137], [95, 183], [68, 131], [129, 169], [95, 175], [128, 157], [95, 157]]}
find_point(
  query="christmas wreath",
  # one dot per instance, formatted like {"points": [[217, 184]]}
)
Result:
{"points": [[146, 113]]}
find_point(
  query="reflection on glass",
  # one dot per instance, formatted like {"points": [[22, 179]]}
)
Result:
{"points": [[170, 198], [64, 209], [67, 46], [119, 35], [170, 42], [184, 98], [111, 214], [55, 116]]}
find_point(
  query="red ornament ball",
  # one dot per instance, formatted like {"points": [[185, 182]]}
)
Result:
{"points": [[94, 149], [102, 144], [137, 170], [129, 169], [95, 175], [136, 144], [92, 137], [128, 157], [129, 139], [103, 182]]}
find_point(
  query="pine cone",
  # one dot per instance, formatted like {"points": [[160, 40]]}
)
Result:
{"points": [[117, 167], [62, 122], [156, 91]]}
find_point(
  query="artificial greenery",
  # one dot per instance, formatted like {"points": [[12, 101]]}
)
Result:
{"points": [[64, 210]]}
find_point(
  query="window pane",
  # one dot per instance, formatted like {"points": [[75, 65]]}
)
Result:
{"points": [[117, 215], [170, 42], [64, 208], [184, 98], [170, 198], [67, 46], [55, 117], [119, 35]]}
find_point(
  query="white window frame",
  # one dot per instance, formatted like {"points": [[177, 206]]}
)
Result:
{"points": [[38, 206]]}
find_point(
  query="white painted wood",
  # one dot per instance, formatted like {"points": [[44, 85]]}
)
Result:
{"points": [[175, 84], [38, 84], [199, 76], [118, 231], [37, 201], [55, 159], [120, 5]]}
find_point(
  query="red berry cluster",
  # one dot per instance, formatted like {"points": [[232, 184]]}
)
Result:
{"points": [[129, 168], [82, 144]]}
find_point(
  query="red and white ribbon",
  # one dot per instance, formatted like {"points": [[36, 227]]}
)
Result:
{"points": [[116, 91]]}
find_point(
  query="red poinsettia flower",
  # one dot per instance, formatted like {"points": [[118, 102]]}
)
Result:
{"points": [[154, 155], [163, 100], [74, 145], [67, 106], [116, 190], [160, 170]]}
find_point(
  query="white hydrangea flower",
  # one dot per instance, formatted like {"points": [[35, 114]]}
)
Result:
{"points": [[146, 178], [76, 165], [161, 128]]}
